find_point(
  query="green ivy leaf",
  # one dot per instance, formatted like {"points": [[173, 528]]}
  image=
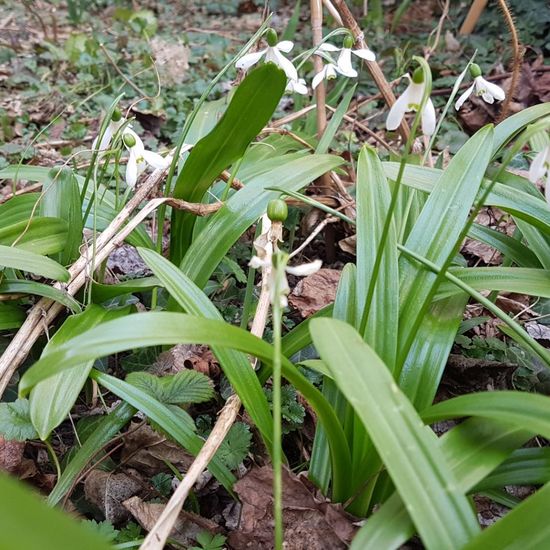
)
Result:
{"points": [[15, 421], [235, 446], [187, 386]]}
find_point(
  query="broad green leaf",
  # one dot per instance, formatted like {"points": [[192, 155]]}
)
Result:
{"points": [[526, 527], [102, 292], [104, 432], [508, 246], [236, 366], [414, 461], [529, 411], [149, 329], [22, 286], [373, 201], [52, 399], [165, 418], [39, 235], [61, 199], [529, 466], [15, 421], [49, 529], [251, 107], [24, 260], [437, 230], [11, 316], [187, 386], [18, 208], [427, 358], [244, 208], [523, 280]]}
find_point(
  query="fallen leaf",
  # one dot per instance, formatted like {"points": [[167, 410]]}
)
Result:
{"points": [[11, 454], [315, 291], [537, 331], [310, 521]]}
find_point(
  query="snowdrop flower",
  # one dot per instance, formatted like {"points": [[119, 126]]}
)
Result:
{"points": [[410, 100], [271, 53], [139, 158], [540, 167], [344, 59], [328, 72], [115, 123], [487, 90], [297, 86]]}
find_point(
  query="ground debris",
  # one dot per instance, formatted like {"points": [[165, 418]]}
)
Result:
{"points": [[310, 522], [314, 292]]}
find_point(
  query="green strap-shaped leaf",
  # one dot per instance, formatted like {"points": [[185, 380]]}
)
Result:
{"points": [[24, 260], [235, 365], [21, 286], [39, 235], [17, 209], [11, 316], [250, 109], [438, 228], [526, 527], [52, 399], [50, 529], [102, 292], [439, 509]]}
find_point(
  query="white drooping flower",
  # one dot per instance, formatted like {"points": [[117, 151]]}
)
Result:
{"points": [[266, 247], [328, 72], [410, 100], [484, 89], [540, 167], [117, 120], [297, 86], [273, 53], [343, 63], [139, 157]]}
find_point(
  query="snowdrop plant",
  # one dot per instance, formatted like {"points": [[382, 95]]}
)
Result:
{"points": [[273, 53], [102, 142], [140, 158], [343, 63], [411, 100], [488, 91]]}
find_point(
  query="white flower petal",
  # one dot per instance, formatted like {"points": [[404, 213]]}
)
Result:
{"points": [[464, 97], [280, 60], [256, 262], [318, 78], [397, 111], [246, 61], [547, 188], [488, 98], [285, 46], [365, 53], [428, 118], [496, 91], [298, 87], [155, 160], [305, 269], [328, 47], [344, 63], [131, 171], [538, 168]]}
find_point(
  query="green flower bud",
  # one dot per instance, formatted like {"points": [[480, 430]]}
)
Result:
{"points": [[348, 42], [116, 116], [129, 140], [475, 71], [277, 210], [271, 37], [418, 75]]}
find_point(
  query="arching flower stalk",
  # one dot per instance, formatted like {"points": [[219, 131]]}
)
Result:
{"points": [[484, 89], [410, 100]]}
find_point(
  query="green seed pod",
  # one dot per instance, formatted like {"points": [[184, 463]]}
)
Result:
{"points": [[418, 75], [475, 70], [348, 42], [116, 116], [271, 37], [277, 210], [129, 140]]}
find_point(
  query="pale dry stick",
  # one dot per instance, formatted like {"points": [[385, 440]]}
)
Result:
{"points": [[372, 66], [284, 132], [28, 189], [438, 30], [313, 234], [157, 537], [320, 92], [333, 11], [292, 117], [46, 309]]}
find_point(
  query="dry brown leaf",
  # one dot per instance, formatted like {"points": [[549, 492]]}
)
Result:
{"points": [[311, 523], [315, 291], [108, 491], [11, 455], [146, 451], [171, 59], [187, 356]]}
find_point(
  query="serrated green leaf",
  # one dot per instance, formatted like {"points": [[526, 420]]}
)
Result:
{"points": [[15, 421], [235, 446], [187, 386]]}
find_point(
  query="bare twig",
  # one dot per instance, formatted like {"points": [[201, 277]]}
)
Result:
{"points": [[333, 11], [320, 92], [428, 53]]}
